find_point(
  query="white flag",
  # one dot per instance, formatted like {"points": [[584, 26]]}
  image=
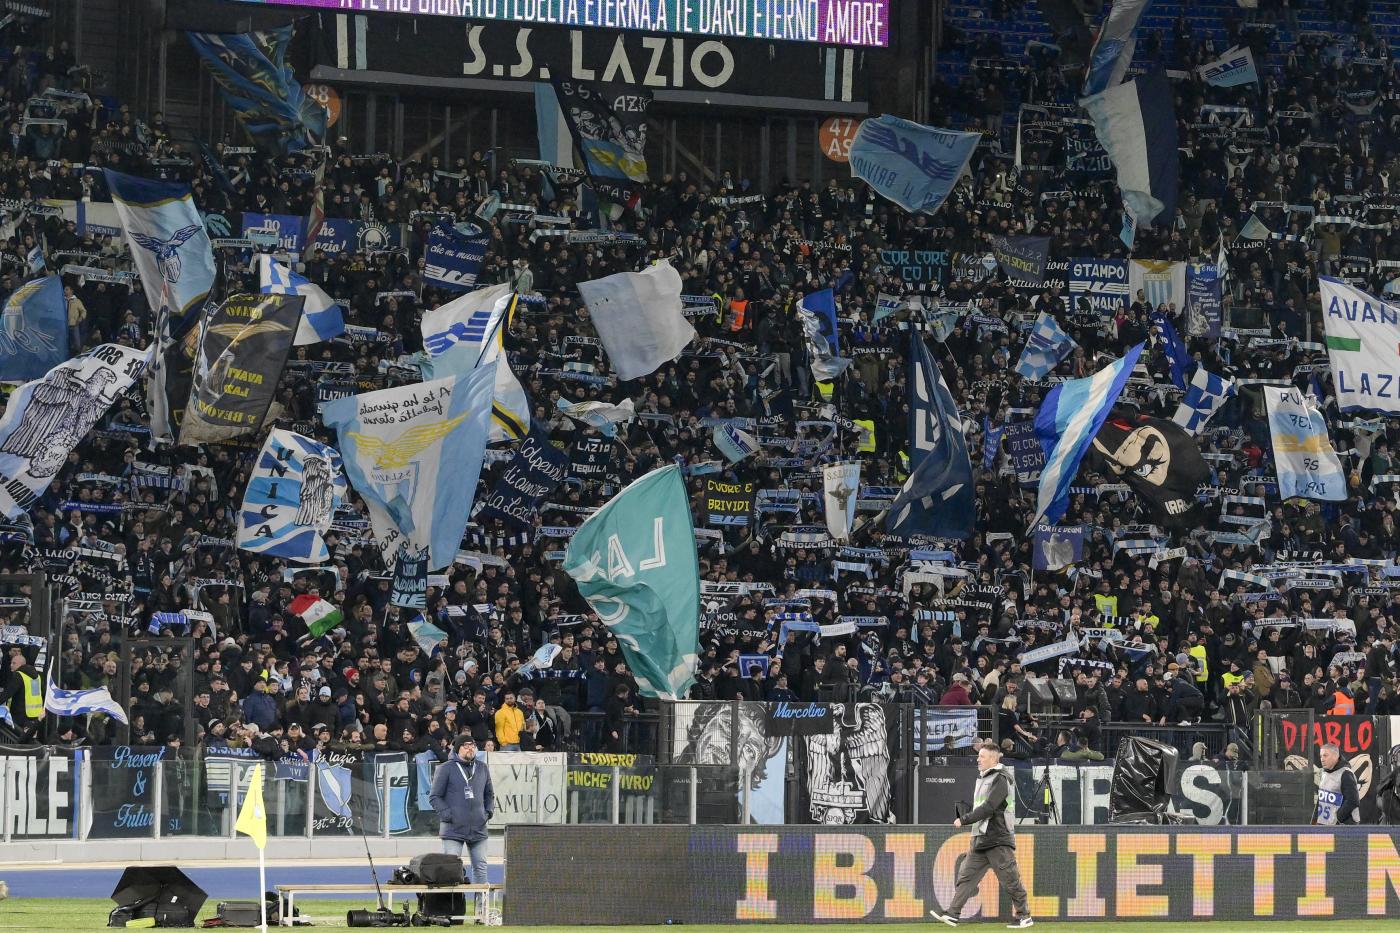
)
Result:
{"points": [[638, 318], [841, 483]]}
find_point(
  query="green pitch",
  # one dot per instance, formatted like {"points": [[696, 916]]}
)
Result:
{"points": [[90, 916]]}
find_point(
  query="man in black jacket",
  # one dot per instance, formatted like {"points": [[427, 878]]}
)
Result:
{"points": [[992, 820]]}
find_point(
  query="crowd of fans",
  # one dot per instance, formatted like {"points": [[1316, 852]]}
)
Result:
{"points": [[1193, 650]]}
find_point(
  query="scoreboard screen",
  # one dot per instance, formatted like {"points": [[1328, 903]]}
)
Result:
{"points": [[828, 22]]}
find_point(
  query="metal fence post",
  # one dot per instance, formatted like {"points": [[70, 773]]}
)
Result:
{"points": [[85, 793], [311, 781], [382, 777], [616, 795], [5, 795], [232, 814], [158, 789], [694, 795]]}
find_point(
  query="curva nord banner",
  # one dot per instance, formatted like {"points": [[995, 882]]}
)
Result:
{"points": [[807, 874]]}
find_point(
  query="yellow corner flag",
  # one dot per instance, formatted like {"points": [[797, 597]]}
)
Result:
{"points": [[252, 816]]}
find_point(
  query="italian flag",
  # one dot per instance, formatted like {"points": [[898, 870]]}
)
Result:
{"points": [[319, 615]]}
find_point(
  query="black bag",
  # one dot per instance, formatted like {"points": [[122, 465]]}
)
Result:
{"points": [[442, 906], [120, 915], [174, 915], [241, 913], [437, 868]]}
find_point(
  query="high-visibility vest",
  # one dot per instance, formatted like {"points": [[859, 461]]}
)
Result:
{"points": [[741, 313], [1106, 605], [1229, 678], [1342, 705], [33, 696], [1199, 653]]}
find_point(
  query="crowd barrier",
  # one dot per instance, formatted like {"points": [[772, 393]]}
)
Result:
{"points": [[793, 874], [134, 792], [718, 763]]}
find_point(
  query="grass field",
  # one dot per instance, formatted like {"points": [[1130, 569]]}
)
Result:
{"points": [[90, 915]]}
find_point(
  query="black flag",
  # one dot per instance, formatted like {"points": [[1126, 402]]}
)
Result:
{"points": [[1157, 459]]}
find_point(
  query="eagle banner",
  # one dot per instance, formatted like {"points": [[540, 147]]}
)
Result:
{"points": [[414, 454], [169, 246], [46, 419], [243, 347], [296, 486]]}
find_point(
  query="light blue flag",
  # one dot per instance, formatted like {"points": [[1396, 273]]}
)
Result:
{"points": [[296, 486], [885, 305], [1044, 349], [734, 443], [34, 334], [1206, 394], [260, 88], [634, 561], [938, 498], [321, 318], [169, 247], [915, 166], [1304, 458], [1113, 49], [414, 454], [1070, 416]]}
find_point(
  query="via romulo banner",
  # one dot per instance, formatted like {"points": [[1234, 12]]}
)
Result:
{"points": [[40, 793], [529, 787], [1103, 283], [812, 874]]}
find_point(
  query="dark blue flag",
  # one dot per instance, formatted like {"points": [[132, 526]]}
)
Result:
{"points": [[991, 442], [454, 255], [1177, 354], [259, 86], [533, 473], [938, 498]]}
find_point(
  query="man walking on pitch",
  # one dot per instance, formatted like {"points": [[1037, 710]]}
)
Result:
{"points": [[992, 819]]}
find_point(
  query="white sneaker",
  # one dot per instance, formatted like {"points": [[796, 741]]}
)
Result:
{"points": [[1020, 923], [945, 918]]}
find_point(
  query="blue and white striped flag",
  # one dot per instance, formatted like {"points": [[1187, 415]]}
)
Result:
{"points": [[1044, 349], [321, 318], [62, 702], [1066, 424], [1206, 395]]}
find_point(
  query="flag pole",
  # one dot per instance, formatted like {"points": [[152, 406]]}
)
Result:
{"points": [[262, 887]]}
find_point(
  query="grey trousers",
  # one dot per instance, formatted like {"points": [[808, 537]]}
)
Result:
{"points": [[1001, 860]]}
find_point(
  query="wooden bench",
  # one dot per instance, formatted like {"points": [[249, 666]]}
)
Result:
{"points": [[487, 908]]}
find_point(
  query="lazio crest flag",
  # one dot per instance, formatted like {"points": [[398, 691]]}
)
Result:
{"points": [[634, 561], [414, 454]]}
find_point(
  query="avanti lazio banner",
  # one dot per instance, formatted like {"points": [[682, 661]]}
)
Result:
{"points": [[1363, 343]]}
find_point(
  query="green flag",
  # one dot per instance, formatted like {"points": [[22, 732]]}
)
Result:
{"points": [[634, 561]]}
